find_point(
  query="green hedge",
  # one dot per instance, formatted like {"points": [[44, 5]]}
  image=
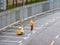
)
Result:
{"points": [[18, 4], [34, 1]]}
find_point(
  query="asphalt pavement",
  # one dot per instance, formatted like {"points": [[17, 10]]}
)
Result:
{"points": [[45, 32]]}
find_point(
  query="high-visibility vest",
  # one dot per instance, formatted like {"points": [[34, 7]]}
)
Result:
{"points": [[19, 31], [31, 23]]}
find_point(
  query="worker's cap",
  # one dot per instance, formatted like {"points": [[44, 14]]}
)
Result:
{"points": [[19, 27]]}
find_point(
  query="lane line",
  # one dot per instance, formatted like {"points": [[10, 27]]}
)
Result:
{"points": [[52, 43], [57, 36]]}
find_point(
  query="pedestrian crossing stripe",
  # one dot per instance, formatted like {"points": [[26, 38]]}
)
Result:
{"points": [[12, 37], [9, 41]]}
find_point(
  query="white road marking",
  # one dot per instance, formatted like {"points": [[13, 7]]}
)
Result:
{"points": [[29, 34], [26, 26], [20, 41], [37, 22], [33, 32], [21, 44], [12, 37], [26, 38], [9, 33], [57, 17], [52, 20], [9, 41], [36, 28], [46, 24], [52, 43], [42, 25], [57, 36]]}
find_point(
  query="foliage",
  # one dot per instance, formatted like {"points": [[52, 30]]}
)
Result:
{"points": [[26, 3]]}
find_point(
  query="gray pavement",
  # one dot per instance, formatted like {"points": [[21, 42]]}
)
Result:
{"points": [[46, 32]]}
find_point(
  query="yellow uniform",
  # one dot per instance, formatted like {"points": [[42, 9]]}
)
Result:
{"points": [[19, 31]]}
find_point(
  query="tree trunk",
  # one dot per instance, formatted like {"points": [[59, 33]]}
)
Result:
{"points": [[16, 3], [13, 2]]}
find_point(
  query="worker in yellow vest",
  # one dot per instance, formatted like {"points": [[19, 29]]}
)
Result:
{"points": [[20, 31], [31, 24]]}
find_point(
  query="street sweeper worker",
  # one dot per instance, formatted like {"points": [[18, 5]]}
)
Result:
{"points": [[31, 24], [20, 31]]}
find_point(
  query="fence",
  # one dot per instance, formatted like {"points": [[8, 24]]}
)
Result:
{"points": [[11, 16]]}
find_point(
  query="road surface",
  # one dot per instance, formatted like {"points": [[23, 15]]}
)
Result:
{"points": [[46, 32]]}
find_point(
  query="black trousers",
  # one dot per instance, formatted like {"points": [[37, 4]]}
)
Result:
{"points": [[31, 28]]}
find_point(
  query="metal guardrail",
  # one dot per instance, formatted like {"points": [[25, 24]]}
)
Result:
{"points": [[10, 16], [4, 28]]}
